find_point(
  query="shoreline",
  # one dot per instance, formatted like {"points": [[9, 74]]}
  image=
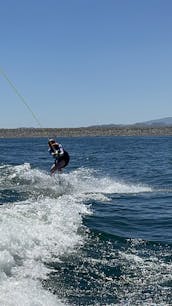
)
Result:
{"points": [[86, 131]]}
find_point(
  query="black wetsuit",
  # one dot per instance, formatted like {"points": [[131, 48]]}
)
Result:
{"points": [[64, 157]]}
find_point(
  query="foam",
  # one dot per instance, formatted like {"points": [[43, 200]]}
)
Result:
{"points": [[33, 232], [87, 180], [45, 226]]}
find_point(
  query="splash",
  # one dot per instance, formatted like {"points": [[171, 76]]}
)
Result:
{"points": [[40, 220], [86, 180], [34, 232]]}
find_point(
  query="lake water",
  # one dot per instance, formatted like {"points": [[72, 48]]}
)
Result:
{"points": [[100, 233]]}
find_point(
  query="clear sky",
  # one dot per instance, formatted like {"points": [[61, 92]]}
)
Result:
{"points": [[85, 62]]}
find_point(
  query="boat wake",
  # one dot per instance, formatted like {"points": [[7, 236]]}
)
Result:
{"points": [[41, 220]]}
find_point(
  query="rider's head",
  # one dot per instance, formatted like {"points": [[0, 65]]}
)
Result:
{"points": [[51, 141]]}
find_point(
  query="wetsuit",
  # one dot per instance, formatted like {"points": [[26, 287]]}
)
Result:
{"points": [[60, 155]]}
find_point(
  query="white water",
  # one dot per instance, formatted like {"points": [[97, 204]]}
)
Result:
{"points": [[44, 226]]}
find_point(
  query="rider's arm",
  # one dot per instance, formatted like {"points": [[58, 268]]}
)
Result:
{"points": [[56, 150], [60, 150]]}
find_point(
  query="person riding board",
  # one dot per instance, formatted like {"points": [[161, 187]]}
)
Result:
{"points": [[61, 157]]}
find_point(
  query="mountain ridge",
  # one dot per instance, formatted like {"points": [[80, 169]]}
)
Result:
{"points": [[162, 122]]}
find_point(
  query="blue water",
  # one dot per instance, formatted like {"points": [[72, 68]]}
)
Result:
{"points": [[98, 234]]}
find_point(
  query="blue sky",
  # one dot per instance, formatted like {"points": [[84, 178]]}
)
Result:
{"points": [[84, 62]]}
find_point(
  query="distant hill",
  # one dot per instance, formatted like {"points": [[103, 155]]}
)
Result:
{"points": [[163, 122], [157, 122]]}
